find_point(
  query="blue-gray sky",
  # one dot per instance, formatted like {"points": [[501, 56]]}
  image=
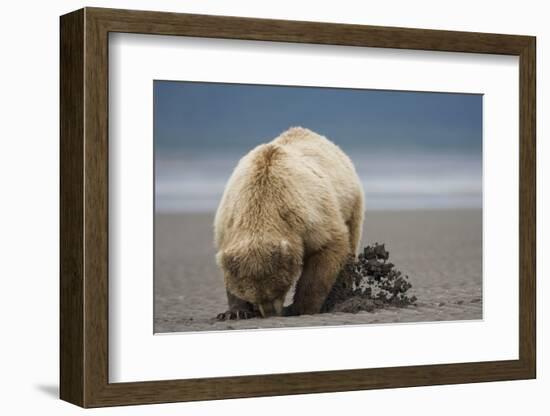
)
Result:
{"points": [[413, 150]]}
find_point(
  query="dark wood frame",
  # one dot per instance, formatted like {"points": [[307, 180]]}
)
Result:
{"points": [[84, 208]]}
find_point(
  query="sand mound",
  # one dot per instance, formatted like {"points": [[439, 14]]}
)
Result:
{"points": [[369, 282]]}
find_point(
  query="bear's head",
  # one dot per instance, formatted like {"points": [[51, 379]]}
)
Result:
{"points": [[261, 272]]}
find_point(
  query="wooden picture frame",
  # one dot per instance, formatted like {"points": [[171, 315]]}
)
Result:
{"points": [[84, 207]]}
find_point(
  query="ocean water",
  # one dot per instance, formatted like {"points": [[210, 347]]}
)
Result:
{"points": [[398, 180], [412, 150]]}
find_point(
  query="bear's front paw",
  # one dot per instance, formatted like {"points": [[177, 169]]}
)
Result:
{"points": [[236, 314]]}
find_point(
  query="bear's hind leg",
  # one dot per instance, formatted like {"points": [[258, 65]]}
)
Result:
{"points": [[318, 276], [355, 226]]}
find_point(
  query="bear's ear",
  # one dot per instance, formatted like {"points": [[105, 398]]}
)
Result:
{"points": [[285, 247], [219, 258], [290, 255], [288, 249], [227, 262]]}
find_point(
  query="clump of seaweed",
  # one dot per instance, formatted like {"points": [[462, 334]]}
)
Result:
{"points": [[369, 282]]}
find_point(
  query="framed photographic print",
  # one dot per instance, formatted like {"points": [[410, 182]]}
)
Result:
{"points": [[255, 207]]}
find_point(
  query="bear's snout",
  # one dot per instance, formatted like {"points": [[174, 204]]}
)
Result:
{"points": [[274, 308]]}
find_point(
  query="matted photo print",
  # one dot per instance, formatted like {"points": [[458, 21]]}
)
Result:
{"points": [[291, 206]]}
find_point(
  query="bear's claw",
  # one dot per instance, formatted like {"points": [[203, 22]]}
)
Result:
{"points": [[235, 314]]}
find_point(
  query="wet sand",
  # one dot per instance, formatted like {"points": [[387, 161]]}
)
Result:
{"points": [[440, 250]]}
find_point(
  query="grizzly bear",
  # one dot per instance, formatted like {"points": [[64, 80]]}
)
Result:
{"points": [[291, 213]]}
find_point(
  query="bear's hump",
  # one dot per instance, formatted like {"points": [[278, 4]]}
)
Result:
{"points": [[296, 133]]}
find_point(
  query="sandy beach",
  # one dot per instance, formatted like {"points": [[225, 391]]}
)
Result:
{"points": [[440, 251]]}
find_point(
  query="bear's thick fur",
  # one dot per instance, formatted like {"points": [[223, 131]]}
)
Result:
{"points": [[291, 211]]}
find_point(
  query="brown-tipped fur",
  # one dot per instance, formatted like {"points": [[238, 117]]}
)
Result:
{"points": [[291, 211]]}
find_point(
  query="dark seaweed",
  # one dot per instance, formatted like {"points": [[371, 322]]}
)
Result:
{"points": [[369, 282]]}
